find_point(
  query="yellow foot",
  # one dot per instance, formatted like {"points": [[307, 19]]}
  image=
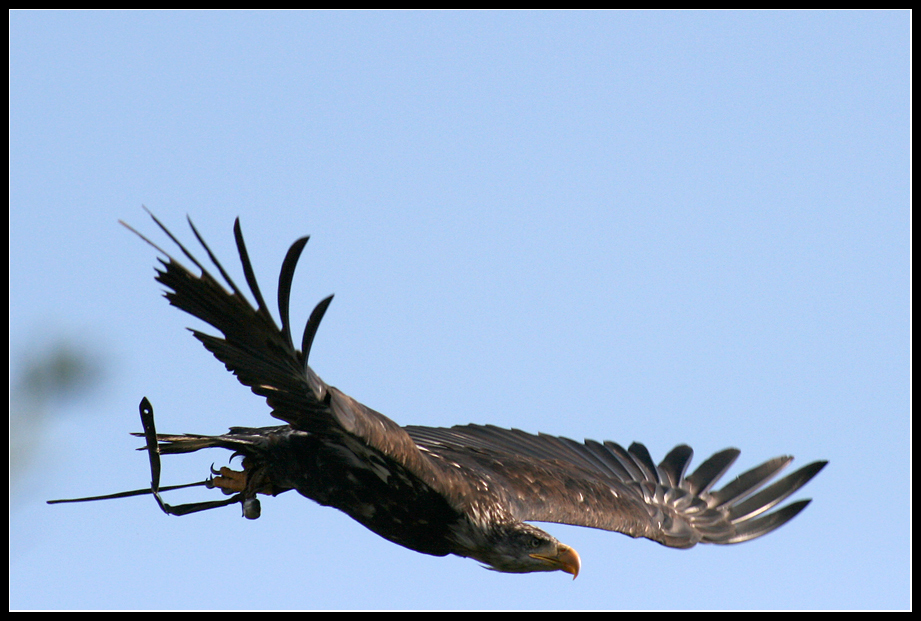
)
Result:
{"points": [[230, 481]]}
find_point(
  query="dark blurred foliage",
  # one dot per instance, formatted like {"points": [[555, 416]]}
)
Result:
{"points": [[63, 371], [44, 383]]}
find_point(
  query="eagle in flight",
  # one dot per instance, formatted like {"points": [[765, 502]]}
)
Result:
{"points": [[470, 490]]}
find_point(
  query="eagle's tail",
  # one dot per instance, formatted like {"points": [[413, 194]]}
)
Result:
{"points": [[241, 440]]}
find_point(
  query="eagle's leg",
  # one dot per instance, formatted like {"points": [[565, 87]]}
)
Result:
{"points": [[245, 487]]}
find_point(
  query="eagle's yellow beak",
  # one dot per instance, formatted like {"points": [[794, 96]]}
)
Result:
{"points": [[566, 559]]}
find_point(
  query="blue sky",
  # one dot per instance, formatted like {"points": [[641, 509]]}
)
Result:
{"points": [[658, 227]]}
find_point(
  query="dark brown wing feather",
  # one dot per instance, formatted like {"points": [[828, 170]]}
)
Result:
{"points": [[551, 479]]}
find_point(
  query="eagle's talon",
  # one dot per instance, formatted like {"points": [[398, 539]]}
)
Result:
{"points": [[230, 481]]}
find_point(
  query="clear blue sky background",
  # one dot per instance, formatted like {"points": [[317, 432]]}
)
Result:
{"points": [[662, 227]]}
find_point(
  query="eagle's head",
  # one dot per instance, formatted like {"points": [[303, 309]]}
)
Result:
{"points": [[517, 547]]}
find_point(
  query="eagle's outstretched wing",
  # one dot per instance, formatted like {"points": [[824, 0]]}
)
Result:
{"points": [[552, 479]]}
